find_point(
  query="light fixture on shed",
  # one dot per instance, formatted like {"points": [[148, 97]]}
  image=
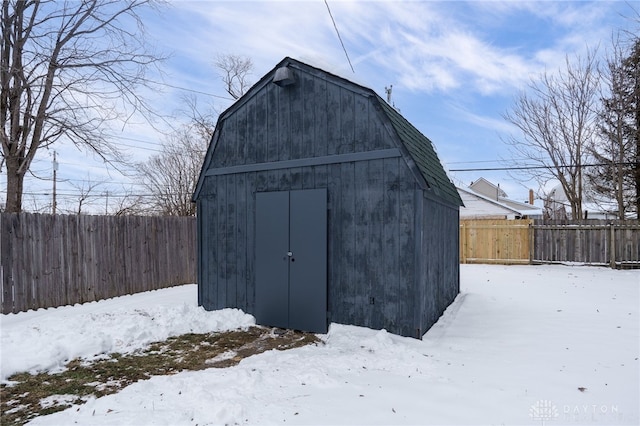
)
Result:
{"points": [[284, 77]]}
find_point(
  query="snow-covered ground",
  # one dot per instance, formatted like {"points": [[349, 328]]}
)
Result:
{"points": [[520, 345]]}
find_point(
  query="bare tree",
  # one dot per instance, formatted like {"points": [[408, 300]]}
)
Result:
{"points": [[67, 68], [235, 72], [556, 118], [202, 119], [85, 191], [171, 177], [130, 205]]}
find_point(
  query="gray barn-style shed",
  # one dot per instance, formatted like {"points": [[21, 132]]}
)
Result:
{"points": [[318, 202]]}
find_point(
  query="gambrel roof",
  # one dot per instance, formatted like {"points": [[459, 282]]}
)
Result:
{"points": [[423, 154], [416, 149]]}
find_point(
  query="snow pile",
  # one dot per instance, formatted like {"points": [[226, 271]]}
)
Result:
{"points": [[47, 339], [521, 345]]}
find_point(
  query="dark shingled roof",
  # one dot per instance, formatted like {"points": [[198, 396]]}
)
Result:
{"points": [[421, 150]]}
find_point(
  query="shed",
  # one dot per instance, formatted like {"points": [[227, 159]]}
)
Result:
{"points": [[318, 202]]}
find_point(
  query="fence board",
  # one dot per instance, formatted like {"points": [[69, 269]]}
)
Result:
{"points": [[495, 241], [48, 261], [596, 242]]}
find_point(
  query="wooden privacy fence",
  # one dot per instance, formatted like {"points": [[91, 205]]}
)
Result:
{"points": [[495, 241], [48, 261], [597, 242]]}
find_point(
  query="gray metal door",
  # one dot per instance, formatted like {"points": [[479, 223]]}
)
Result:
{"points": [[291, 259], [272, 269]]}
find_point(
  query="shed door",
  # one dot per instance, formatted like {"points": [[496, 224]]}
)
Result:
{"points": [[291, 259]]}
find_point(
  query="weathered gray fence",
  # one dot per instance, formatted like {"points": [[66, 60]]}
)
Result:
{"points": [[60, 260], [598, 242]]}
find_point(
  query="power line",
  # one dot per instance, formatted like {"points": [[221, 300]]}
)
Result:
{"points": [[490, 169], [101, 195], [339, 38], [192, 90], [477, 161], [94, 182], [140, 147], [134, 139]]}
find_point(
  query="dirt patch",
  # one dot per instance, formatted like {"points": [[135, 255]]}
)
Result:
{"points": [[40, 394]]}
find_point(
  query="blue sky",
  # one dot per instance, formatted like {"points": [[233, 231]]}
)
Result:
{"points": [[455, 68]]}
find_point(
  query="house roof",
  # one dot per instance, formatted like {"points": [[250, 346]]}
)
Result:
{"points": [[415, 145], [481, 182], [517, 204], [479, 205]]}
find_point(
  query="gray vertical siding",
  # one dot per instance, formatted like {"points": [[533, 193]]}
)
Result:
{"points": [[370, 226], [380, 273], [311, 119], [440, 272]]}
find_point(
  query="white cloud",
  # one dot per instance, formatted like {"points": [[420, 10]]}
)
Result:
{"points": [[497, 124], [428, 50], [423, 46]]}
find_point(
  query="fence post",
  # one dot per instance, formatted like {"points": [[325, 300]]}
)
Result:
{"points": [[612, 246], [531, 243], [463, 234]]}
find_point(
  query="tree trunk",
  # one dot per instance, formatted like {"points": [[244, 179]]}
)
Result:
{"points": [[620, 185], [637, 143], [15, 182], [636, 138], [637, 166], [635, 66]]}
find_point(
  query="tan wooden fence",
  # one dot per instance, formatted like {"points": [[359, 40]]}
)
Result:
{"points": [[595, 242], [495, 241], [60, 260]]}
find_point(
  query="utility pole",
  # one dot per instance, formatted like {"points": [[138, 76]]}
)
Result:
{"points": [[55, 171]]}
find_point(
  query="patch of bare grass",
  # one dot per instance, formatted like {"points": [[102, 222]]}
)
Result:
{"points": [[35, 395]]}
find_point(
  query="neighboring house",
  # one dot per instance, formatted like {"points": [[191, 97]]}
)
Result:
{"points": [[478, 206], [318, 202], [484, 200], [488, 189], [557, 206]]}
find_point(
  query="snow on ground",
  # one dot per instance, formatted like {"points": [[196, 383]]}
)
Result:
{"points": [[520, 345], [49, 338]]}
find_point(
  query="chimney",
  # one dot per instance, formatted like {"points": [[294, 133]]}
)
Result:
{"points": [[531, 196]]}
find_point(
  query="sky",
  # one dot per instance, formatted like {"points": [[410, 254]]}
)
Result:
{"points": [[455, 67]]}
